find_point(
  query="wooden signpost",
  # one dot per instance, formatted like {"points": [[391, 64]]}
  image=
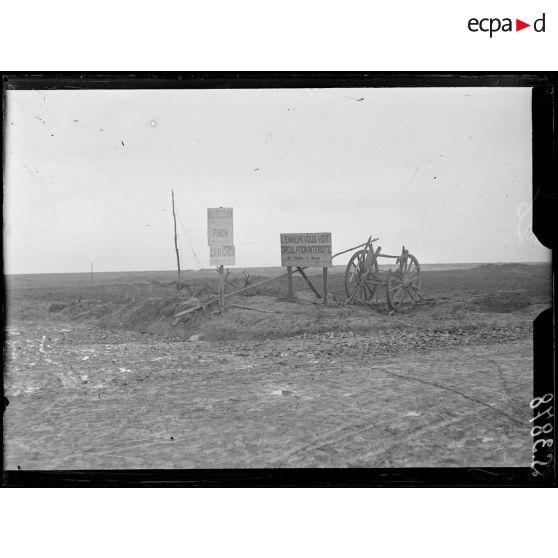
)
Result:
{"points": [[221, 244], [303, 250]]}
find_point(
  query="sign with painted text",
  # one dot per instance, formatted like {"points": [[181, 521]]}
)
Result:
{"points": [[221, 255], [220, 226], [220, 236], [306, 250]]}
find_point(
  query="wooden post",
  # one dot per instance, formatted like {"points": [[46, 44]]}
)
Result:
{"points": [[325, 285], [290, 281], [221, 287], [175, 237]]}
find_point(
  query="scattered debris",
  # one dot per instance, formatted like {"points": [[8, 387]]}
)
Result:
{"points": [[196, 337]]}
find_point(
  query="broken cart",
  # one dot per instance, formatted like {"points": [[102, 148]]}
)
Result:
{"points": [[363, 277]]}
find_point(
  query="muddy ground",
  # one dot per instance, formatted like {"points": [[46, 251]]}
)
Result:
{"points": [[105, 377]]}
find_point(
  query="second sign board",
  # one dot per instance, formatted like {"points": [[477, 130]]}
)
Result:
{"points": [[306, 250]]}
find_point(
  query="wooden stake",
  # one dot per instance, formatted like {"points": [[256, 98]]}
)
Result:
{"points": [[175, 237], [221, 287], [290, 282], [325, 285]]}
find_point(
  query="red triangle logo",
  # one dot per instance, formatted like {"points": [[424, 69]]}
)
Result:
{"points": [[519, 25]]}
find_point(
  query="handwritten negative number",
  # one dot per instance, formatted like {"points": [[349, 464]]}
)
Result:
{"points": [[544, 443], [545, 412], [537, 430], [539, 400]]}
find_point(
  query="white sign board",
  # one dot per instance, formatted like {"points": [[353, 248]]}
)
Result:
{"points": [[306, 250], [220, 235], [221, 255], [220, 226]]}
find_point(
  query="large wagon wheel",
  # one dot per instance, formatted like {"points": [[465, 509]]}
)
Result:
{"points": [[403, 284], [356, 275]]}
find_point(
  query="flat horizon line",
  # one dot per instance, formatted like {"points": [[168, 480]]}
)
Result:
{"points": [[259, 267]]}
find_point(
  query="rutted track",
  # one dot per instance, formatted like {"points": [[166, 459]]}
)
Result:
{"points": [[83, 397]]}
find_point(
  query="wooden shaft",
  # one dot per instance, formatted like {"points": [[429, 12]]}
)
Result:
{"points": [[325, 284], [349, 249]]}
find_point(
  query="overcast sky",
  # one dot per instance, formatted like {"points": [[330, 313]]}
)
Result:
{"points": [[88, 176]]}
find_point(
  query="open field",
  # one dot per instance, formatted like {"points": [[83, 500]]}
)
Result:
{"points": [[104, 377]]}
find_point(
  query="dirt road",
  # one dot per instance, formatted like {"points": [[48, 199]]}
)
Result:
{"points": [[85, 397]]}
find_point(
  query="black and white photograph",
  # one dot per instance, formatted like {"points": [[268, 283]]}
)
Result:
{"points": [[244, 276]]}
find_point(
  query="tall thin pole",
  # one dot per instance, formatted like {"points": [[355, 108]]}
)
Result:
{"points": [[175, 237]]}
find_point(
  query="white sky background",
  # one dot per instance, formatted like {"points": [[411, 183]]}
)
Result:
{"points": [[446, 172]]}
